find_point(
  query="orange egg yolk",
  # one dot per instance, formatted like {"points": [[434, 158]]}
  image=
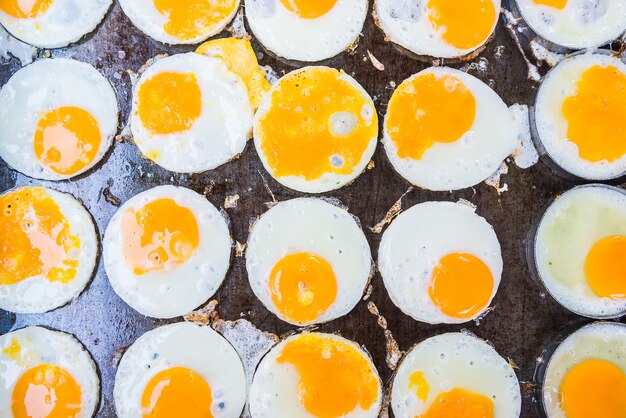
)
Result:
{"points": [[46, 391], [24, 9], [557, 4], [169, 102], [605, 267], [463, 24], [461, 285], [419, 384], [427, 109], [459, 403], [318, 123], [177, 392], [595, 113], [309, 9], [35, 238], [189, 19], [594, 388], [160, 235], [67, 140]]}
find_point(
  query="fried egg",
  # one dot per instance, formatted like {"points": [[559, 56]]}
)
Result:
{"points": [[316, 130], [58, 118], [308, 261], [316, 375], [166, 251], [440, 262], [190, 113], [306, 30], [447, 130], [180, 370], [576, 109], [580, 248], [46, 374], [180, 22], [438, 28], [48, 249], [455, 375]]}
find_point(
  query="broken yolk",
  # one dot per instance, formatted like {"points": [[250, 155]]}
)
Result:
{"points": [[309, 9], [317, 123], [169, 102], [594, 388], [557, 4], [418, 382], [461, 285], [595, 113], [177, 392], [605, 267], [427, 109], [460, 403], [25, 9], [35, 238], [303, 286], [190, 19], [46, 391], [159, 235], [12, 351], [463, 24], [335, 377]]}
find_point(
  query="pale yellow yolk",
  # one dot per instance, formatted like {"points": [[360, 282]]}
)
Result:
{"points": [[35, 238], [12, 351], [459, 403], [595, 114], [24, 9], [463, 24], [461, 285], [605, 267], [303, 286], [177, 392], [426, 110], [160, 234], [46, 391], [318, 123], [418, 383], [169, 102], [557, 4], [188, 19], [309, 9], [594, 388], [335, 377]]}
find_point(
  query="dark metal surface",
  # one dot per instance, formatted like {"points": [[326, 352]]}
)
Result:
{"points": [[523, 317]]}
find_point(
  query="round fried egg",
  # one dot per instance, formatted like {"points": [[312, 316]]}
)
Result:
{"points": [[441, 262], [316, 130], [306, 30], [455, 375], [190, 113], [438, 28], [316, 375], [46, 374], [576, 109], [447, 130], [166, 251], [180, 22], [308, 261], [180, 370], [586, 375], [48, 249], [580, 248], [58, 118]]}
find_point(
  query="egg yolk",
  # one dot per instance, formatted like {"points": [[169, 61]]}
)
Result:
{"points": [[309, 9], [13, 350], [605, 267], [595, 113], [419, 384], [427, 109], [159, 236], [24, 9], [463, 24], [335, 377], [190, 19], [169, 102], [317, 123], [35, 238], [459, 403], [177, 392], [461, 285], [46, 391], [594, 388], [557, 4]]}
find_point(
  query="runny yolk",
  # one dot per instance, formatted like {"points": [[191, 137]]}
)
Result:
{"points": [[459, 403], [427, 109], [557, 4], [461, 285], [303, 286], [335, 377], [159, 236], [419, 384], [67, 139], [24, 9], [189, 19], [35, 238], [594, 388], [309, 9], [595, 114], [169, 102], [46, 391], [177, 392], [463, 24], [605, 267]]}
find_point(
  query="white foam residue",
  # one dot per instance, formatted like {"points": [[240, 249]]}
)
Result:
{"points": [[270, 74], [526, 154], [238, 28], [511, 25], [10, 46], [495, 180], [541, 53]]}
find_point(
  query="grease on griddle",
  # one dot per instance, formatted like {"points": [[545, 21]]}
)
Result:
{"points": [[391, 214], [394, 354]]}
